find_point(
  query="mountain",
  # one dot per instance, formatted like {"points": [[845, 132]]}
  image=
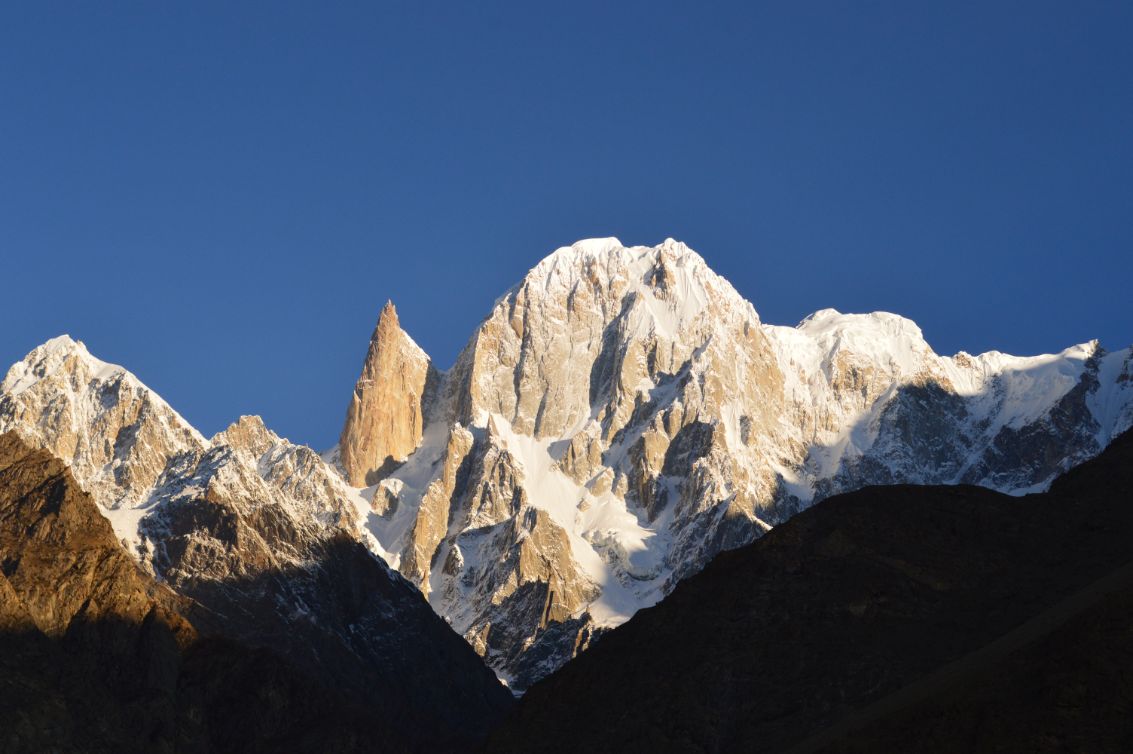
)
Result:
{"points": [[257, 536], [622, 416], [934, 619], [619, 418]]}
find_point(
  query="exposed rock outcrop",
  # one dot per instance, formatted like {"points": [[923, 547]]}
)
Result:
{"points": [[387, 411], [61, 563]]}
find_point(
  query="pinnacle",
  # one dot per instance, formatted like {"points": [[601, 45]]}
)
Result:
{"points": [[387, 321], [248, 421], [248, 433], [388, 314]]}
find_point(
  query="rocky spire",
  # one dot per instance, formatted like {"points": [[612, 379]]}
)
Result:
{"points": [[386, 414]]}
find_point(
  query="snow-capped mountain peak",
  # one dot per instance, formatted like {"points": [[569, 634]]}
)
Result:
{"points": [[59, 354], [115, 433], [622, 415]]}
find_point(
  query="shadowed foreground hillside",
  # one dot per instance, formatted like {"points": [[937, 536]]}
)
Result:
{"points": [[97, 656], [891, 619]]}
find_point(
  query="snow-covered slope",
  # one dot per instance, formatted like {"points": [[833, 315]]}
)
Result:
{"points": [[622, 415], [887, 409]]}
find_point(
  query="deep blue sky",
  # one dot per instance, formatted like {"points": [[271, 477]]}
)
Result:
{"points": [[221, 198]]}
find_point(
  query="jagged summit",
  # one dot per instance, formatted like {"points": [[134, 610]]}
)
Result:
{"points": [[60, 344], [59, 353], [248, 433], [666, 271], [593, 249], [386, 415], [389, 327], [388, 321]]}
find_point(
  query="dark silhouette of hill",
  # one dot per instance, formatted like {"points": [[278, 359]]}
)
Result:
{"points": [[95, 655], [889, 619]]}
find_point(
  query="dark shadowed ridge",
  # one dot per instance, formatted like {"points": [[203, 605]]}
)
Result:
{"points": [[97, 656], [889, 619]]}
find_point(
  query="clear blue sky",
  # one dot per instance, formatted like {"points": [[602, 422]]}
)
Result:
{"points": [[222, 196]]}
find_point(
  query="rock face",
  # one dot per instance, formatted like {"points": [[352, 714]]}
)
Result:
{"points": [[67, 585], [260, 535], [386, 414], [61, 563], [622, 415], [893, 618]]}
